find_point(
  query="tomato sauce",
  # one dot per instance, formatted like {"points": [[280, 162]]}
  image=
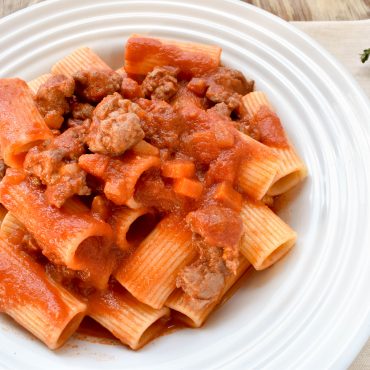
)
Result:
{"points": [[190, 63], [270, 129]]}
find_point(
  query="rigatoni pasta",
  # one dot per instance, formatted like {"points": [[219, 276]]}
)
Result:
{"points": [[136, 197], [291, 169], [131, 321], [82, 58], [149, 274], [37, 82], [122, 220], [142, 54], [266, 237], [74, 231], [21, 124], [195, 312], [46, 309]]}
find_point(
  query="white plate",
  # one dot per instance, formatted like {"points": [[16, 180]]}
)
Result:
{"points": [[311, 311]]}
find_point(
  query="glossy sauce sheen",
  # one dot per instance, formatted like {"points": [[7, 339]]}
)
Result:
{"points": [[18, 121], [190, 63], [270, 130], [24, 282]]}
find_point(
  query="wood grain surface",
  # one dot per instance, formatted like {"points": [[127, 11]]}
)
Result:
{"points": [[291, 10]]}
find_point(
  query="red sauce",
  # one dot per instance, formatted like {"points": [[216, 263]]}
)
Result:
{"points": [[271, 132], [24, 282], [19, 121], [130, 89], [191, 63], [208, 139]]}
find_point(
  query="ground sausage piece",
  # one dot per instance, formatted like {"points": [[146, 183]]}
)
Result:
{"points": [[224, 85], [205, 278], [93, 85], [51, 99], [161, 123], [71, 122], [48, 163], [151, 190], [115, 127], [218, 226], [80, 111], [244, 125], [130, 89], [43, 161], [161, 83], [220, 108], [71, 179]]}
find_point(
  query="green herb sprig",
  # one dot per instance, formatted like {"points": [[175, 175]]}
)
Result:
{"points": [[365, 55]]}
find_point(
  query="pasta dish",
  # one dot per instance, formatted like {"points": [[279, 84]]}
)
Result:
{"points": [[138, 195]]}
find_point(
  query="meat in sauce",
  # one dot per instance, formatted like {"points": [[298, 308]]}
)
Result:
{"points": [[55, 165], [92, 85], [51, 99], [205, 278], [161, 83], [115, 126], [80, 111], [223, 85]]}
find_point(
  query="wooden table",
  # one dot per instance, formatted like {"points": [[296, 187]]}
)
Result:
{"points": [[354, 36], [290, 10]]}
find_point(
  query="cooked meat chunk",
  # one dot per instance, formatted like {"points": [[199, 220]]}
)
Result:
{"points": [[71, 142], [161, 83], [218, 226], [198, 281], [221, 108], [70, 180], [80, 111], [44, 161], [223, 85], [130, 89], [71, 122], [48, 163], [152, 190], [161, 123], [198, 86], [205, 278], [43, 164], [245, 126], [115, 127], [93, 85], [51, 99], [74, 280]]}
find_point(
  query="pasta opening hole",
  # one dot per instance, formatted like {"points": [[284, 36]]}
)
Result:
{"points": [[141, 228], [153, 331], [94, 256], [187, 319], [277, 254], [70, 328], [285, 183], [90, 327]]}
